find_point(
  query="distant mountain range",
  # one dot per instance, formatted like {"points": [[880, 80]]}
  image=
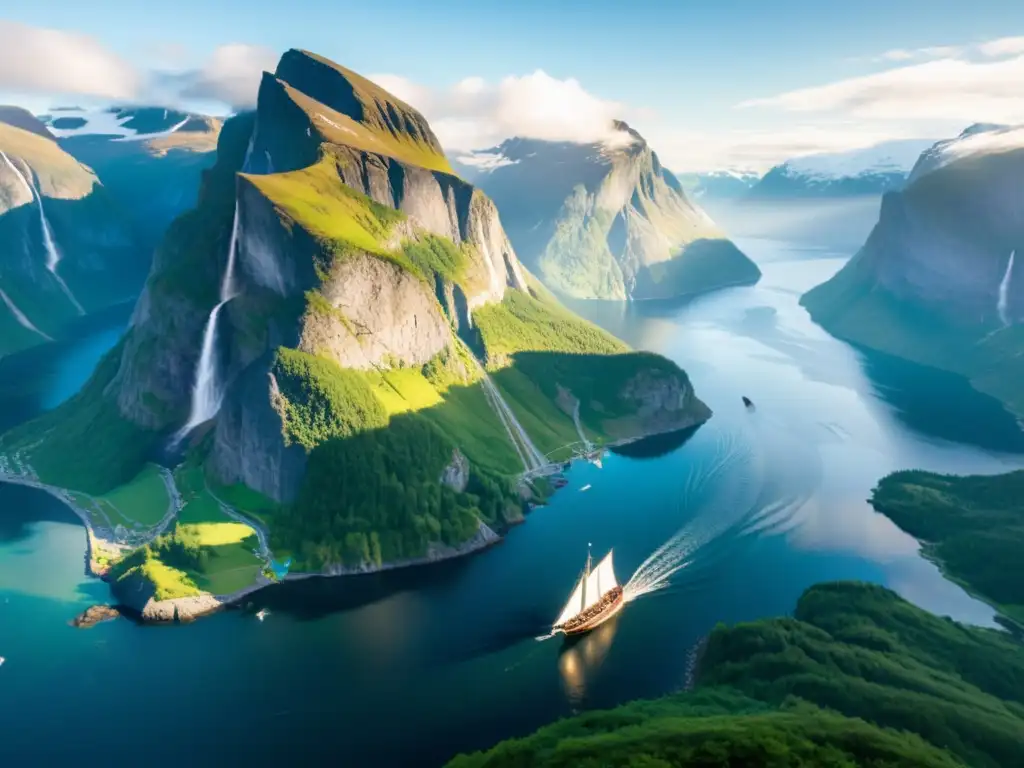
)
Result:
{"points": [[721, 185], [868, 171]]}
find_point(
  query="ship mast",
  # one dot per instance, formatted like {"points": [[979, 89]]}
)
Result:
{"points": [[586, 574]]}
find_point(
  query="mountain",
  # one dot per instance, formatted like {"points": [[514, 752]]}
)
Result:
{"points": [[722, 185], [939, 280], [361, 359], [870, 171], [605, 220], [65, 250], [150, 159]]}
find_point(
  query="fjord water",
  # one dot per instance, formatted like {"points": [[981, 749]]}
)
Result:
{"points": [[410, 667]]}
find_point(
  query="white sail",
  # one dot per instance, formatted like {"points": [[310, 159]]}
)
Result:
{"points": [[601, 581], [574, 606]]}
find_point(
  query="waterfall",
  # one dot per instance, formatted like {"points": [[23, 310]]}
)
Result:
{"points": [[52, 254], [1002, 305], [206, 392], [20, 316], [531, 457], [227, 286]]}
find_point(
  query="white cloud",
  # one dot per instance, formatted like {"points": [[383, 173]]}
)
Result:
{"points": [[946, 89], [55, 62], [1004, 46], [474, 113], [231, 74]]}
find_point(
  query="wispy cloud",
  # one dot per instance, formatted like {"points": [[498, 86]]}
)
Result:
{"points": [[946, 89], [474, 113], [56, 62], [1004, 46], [36, 62]]}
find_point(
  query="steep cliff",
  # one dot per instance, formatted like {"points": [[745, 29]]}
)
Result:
{"points": [[939, 280], [349, 315], [64, 249], [605, 221], [149, 159]]}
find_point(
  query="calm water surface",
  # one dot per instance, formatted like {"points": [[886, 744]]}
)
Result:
{"points": [[412, 667]]}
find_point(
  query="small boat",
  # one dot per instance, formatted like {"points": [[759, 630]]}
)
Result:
{"points": [[2, 660], [595, 599], [748, 402], [261, 614], [585, 487]]}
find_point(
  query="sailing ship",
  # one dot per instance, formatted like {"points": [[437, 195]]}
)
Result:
{"points": [[596, 598]]}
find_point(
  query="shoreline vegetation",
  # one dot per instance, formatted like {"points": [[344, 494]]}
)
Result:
{"points": [[971, 526], [857, 676]]}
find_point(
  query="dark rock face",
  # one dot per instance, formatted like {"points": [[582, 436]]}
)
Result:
{"points": [[350, 94], [249, 446], [945, 241]]}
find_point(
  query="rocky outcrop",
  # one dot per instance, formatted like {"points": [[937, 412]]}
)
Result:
{"points": [[456, 474], [95, 614], [606, 220]]}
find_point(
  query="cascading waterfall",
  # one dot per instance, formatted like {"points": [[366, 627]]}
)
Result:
{"points": [[1002, 304], [531, 457], [23, 321], [52, 253], [206, 392]]}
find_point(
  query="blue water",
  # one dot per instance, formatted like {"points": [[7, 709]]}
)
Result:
{"points": [[410, 667]]}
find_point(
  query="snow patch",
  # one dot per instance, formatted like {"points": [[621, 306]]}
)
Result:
{"points": [[486, 160], [976, 140], [889, 157]]}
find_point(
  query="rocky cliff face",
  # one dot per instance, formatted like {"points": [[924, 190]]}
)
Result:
{"points": [[934, 281], [64, 250], [605, 220]]}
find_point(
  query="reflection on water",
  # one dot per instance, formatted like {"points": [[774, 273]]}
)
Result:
{"points": [[581, 657]]}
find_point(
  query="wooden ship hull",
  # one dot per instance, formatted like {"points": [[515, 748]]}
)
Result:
{"points": [[614, 603]]}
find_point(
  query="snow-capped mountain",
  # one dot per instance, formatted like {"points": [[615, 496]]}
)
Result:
{"points": [[867, 171], [722, 185], [978, 139]]}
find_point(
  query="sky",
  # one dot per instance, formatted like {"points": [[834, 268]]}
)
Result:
{"points": [[717, 84]]}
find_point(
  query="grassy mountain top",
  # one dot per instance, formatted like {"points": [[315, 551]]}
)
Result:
{"points": [[973, 526], [346, 108], [58, 174], [857, 677]]}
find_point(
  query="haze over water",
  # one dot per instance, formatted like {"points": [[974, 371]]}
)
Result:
{"points": [[417, 665]]}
